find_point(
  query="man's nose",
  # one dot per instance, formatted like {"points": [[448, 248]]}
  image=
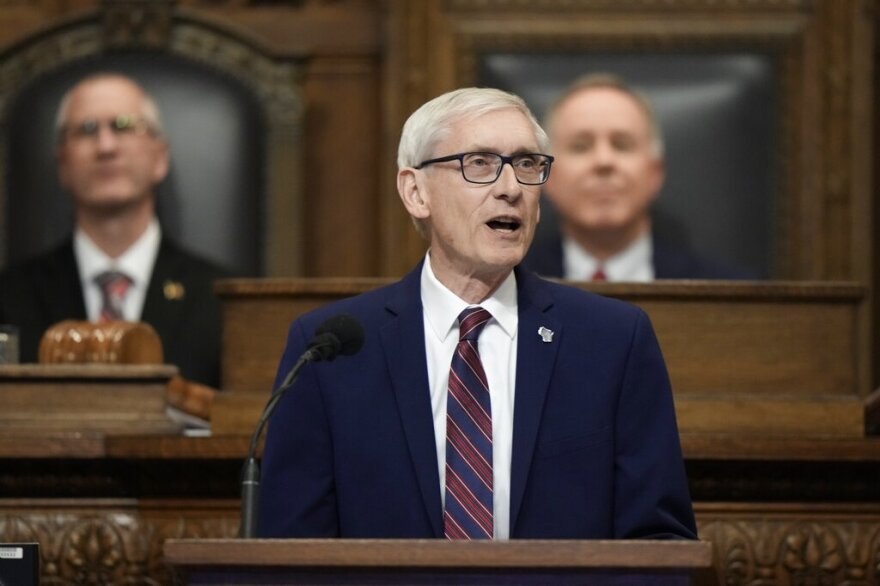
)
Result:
{"points": [[106, 138], [604, 155], [507, 183]]}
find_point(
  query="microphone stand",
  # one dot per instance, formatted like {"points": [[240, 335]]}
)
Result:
{"points": [[250, 475]]}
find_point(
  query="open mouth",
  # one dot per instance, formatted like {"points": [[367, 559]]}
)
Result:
{"points": [[504, 224]]}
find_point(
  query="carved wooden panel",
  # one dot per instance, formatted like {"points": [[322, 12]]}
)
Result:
{"points": [[794, 545], [120, 542], [109, 543]]}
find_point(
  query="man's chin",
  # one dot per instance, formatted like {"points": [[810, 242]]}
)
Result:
{"points": [[109, 204], [606, 223], [504, 261]]}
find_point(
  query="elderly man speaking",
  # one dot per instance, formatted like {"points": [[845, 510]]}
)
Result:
{"points": [[485, 402]]}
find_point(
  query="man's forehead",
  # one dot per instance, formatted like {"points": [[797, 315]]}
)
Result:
{"points": [[597, 101], [106, 94], [601, 110], [502, 131]]}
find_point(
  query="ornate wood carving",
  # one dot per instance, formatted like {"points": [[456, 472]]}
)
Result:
{"points": [[144, 23], [121, 543], [110, 545], [795, 547]]}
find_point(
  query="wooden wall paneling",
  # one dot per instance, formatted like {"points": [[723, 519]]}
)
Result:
{"points": [[874, 216], [343, 171], [335, 230], [753, 357], [404, 90], [303, 27], [861, 163]]}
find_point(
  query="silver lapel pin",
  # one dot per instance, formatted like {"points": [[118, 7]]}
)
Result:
{"points": [[546, 334]]}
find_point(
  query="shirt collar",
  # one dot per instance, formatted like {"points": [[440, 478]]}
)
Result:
{"points": [[442, 307], [136, 262], [634, 263]]}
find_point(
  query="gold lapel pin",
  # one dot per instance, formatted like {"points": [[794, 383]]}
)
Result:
{"points": [[173, 290]]}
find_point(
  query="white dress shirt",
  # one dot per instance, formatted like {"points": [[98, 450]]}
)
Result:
{"points": [[497, 347], [136, 262], [634, 263]]}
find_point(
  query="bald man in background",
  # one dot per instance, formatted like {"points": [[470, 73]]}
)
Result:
{"points": [[111, 154], [607, 175]]}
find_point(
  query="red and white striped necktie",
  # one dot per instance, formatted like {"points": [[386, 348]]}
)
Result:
{"points": [[469, 481]]}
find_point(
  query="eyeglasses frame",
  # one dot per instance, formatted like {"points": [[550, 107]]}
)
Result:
{"points": [[505, 160], [118, 125]]}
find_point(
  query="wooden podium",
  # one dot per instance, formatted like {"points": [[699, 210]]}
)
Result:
{"points": [[351, 561]]}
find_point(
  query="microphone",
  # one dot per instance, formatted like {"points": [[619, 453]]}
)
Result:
{"points": [[341, 334]]}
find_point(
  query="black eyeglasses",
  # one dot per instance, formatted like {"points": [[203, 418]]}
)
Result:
{"points": [[529, 168], [123, 124]]}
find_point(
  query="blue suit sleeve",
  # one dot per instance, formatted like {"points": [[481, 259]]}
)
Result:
{"points": [[652, 500]]}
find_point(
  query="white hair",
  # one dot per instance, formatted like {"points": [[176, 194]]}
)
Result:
{"points": [[433, 121]]}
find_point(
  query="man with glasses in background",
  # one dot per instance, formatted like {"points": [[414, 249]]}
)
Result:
{"points": [[111, 154], [485, 403]]}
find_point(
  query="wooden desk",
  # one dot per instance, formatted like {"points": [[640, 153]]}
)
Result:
{"points": [[433, 562]]}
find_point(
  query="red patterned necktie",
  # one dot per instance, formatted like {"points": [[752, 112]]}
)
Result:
{"points": [[599, 275], [468, 511], [114, 285]]}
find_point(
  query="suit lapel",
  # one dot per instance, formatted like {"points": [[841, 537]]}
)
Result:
{"points": [[403, 339], [534, 368], [163, 313]]}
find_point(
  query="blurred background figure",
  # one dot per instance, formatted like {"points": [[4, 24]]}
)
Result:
{"points": [[608, 171], [111, 154]]}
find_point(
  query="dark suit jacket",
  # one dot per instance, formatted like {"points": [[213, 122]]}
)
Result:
{"points": [[350, 450], [46, 289], [670, 262]]}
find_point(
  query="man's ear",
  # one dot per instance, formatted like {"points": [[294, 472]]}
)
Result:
{"points": [[162, 162], [412, 192], [658, 172]]}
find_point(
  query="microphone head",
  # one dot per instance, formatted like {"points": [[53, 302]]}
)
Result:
{"points": [[341, 334]]}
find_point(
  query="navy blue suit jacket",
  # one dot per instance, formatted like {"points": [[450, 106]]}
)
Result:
{"points": [[350, 450], [670, 262]]}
